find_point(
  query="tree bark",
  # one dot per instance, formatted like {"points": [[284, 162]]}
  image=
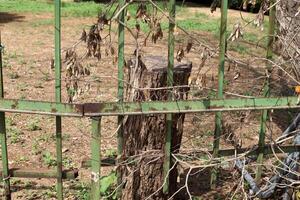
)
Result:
{"points": [[145, 135], [288, 36]]}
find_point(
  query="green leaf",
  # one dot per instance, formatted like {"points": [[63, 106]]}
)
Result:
{"points": [[107, 182]]}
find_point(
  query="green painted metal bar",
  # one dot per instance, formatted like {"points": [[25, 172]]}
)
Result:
{"points": [[121, 58], [264, 115], [190, 106], [218, 118], [144, 108], [41, 173], [41, 107], [4, 154], [96, 158], [169, 121], [59, 182]]}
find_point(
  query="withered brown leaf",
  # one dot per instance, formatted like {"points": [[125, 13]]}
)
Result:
{"points": [[83, 36], [189, 46], [180, 54]]}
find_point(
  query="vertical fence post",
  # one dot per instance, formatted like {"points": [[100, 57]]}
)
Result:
{"points": [[59, 184], [96, 155], [4, 154], [171, 44], [218, 117], [264, 113], [121, 44]]}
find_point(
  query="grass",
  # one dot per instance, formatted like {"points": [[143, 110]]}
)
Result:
{"points": [[238, 47], [84, 9], [42, 22]]}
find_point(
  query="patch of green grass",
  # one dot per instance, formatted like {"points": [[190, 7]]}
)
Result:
{"points": [[83, 9], [14, 135], [48, 159], [42, 22], [13, 75], [35, 147], [197, 25], [83, 191], [34, 125], [251, 37], [200, 15], [238, 47], [67, 163]]}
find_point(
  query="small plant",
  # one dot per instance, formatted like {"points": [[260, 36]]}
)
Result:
{"points": [[83, 191], [34, 125], [35, 148], [67, 163], [14, 135], [111, 153], [13, 75], [108, 184], [23, 159], [9, 121], [46, 77], [48, 159]]}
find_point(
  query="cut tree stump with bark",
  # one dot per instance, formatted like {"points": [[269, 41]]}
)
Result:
{"points": [[145, 135]]}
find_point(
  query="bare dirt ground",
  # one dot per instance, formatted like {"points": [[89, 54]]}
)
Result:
{"points": [[29, 48]]}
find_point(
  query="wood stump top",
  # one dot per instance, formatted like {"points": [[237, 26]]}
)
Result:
{"points": [[160, 64]]}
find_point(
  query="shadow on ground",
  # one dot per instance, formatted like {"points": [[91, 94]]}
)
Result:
{"points": [[6, 17]]}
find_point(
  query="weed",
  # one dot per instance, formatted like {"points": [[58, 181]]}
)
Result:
{"points": [[46, 77], [12, 55], [13, 75], [111, 153], [67, 163], [22, 97], [22, 86], [107, 185], [22, 61], [34, 125], [48, 159], [212, 94], [83, 191], [35, 148], [45, 137], [9, 121], [14, 135], [23, 159]]}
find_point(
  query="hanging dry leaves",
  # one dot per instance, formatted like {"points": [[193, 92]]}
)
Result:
{"points": [[94, 42], [236, 33], [214, 5], [180, 54], [75, 71], [157, 34], [141, 13], [259, 21], [189, 46]]}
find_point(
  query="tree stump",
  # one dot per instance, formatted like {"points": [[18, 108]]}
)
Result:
{"points": [[145, 135]]}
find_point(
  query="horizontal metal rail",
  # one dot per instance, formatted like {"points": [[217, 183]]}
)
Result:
{"points": [[143, 108], [189, 106], [40, 173], [41, 107]]}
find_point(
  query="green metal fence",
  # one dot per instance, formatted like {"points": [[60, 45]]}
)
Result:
{"points": [[96, 111]]}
